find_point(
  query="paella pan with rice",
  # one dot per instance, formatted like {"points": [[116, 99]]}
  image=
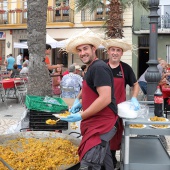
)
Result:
{"points": [[38, 150]]}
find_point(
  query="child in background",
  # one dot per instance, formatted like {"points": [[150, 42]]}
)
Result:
{"points": [[56, 81]]}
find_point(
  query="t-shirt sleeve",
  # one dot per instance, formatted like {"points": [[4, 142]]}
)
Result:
{"points": [[131, 78], [102, 76], [47, 61]]}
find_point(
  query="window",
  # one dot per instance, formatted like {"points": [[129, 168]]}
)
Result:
{"points": [[62, 8], [3, 6], [25, 9]]}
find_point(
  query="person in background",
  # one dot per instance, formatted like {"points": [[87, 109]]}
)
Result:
{"points": [[19, 61], [71, 80], [24, 69], [0, 62], [56, 81], [67, 72], [26, 60], [99, 115], [47, 60], [15, 72], [9, 62], [78, 69], [122, 75], [84, 69], [143, 83]]}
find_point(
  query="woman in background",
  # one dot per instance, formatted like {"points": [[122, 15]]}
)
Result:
{"points": [[56, 80]]}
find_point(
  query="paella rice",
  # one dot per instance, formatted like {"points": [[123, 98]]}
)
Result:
{"points": [[38, 154], [136, 126], [65, 114], [156, 118]]}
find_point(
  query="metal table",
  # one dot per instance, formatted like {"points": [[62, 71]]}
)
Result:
{"points": [[138, 153]]}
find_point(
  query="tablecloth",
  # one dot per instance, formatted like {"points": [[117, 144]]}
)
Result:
{"points": [[8, 83]]}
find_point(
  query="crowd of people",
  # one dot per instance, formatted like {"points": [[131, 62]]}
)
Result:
{"points": [[17, 66]]}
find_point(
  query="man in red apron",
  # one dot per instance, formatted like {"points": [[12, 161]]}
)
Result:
{"points": [[98, 118], [123, 75]]}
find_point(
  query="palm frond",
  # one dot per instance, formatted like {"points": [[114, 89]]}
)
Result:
{"points": [[92, 5]]}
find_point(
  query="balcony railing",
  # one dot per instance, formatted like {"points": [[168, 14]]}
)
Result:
{"points": [[99, 15], [19, 16], [163, 22]]}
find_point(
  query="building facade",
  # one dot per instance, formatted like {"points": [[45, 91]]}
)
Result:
{"points": [[141, 35], [62, 22]]}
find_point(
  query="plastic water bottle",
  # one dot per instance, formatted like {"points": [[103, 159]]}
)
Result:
{"points": [[158, 102]]}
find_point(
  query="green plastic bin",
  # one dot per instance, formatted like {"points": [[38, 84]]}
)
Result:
{"points": [[37, 103]]}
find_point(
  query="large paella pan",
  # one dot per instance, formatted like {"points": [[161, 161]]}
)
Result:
{"points": [[40, 146]]}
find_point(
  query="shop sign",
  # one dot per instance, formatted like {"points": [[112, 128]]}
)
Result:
{"points": [[2, 35]]}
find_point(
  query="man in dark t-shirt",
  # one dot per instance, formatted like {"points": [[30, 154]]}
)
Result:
{"points": [[99, 110], [123, 75]]}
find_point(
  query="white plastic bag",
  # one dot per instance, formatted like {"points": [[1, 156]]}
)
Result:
{"points": [[126, 110]]}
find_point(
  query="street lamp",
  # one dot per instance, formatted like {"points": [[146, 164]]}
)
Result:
{"points": [[153, 76]]}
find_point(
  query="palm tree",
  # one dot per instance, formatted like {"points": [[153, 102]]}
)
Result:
{"points": [[114, 22], [39, 79]]}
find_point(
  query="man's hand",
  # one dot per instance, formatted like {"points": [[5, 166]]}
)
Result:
{"points": [[73, 117], [135, 103], [76, 106]]}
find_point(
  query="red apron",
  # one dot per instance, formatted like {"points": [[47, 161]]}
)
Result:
{"points": [[120, 95], [100, 123]]}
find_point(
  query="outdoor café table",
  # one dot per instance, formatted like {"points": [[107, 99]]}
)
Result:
{"points": [[144, 152], [8, 83]]}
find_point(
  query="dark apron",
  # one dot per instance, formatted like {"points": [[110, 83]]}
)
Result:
{"points": [[100, 123], [120, 95]]}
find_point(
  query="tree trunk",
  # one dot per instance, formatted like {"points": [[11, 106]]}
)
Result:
{"points": [[39, 79]]}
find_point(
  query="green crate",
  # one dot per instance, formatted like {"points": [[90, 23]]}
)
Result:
{"points": [[36, 103]]}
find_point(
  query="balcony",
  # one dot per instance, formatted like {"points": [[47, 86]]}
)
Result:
{"points": [[100, 14], [163, 22], [18, 17]]}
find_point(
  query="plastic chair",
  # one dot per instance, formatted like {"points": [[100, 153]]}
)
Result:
{"points": [[21, 90], [3, 94]]}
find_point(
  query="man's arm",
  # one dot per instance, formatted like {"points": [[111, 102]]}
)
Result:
{"points": [[135, 89], [51, 67], [79, 95], [100, 103]]}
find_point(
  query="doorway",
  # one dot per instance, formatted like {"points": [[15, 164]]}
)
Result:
{"points": [[24, 51], [143, 59]]}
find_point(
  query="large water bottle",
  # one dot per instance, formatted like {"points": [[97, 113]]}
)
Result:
{"points": [[158, 102]]}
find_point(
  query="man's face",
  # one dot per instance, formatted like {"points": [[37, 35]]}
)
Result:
{"points": [[114, 54], [86, 53], [48, 51]]}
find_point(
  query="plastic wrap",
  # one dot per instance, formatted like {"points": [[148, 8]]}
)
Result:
{"points": [[126, 110]]}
